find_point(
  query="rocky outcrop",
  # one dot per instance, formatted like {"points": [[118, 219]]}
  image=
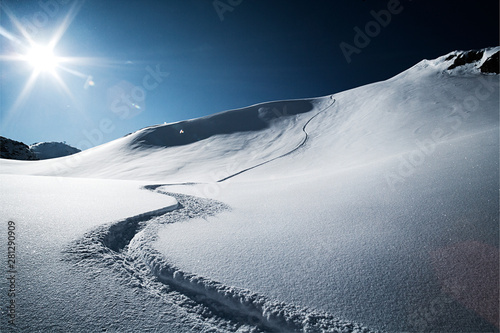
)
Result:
{"points": [[15, 150]]}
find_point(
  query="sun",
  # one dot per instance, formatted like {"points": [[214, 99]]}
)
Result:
{"points": [[42, 58]]}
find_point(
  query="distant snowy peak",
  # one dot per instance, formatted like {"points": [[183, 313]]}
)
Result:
{"points": [[46, 150], [15, 150]]}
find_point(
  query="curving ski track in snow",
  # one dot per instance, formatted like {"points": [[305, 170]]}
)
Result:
{"points": [[300, 145], [125, 246]]}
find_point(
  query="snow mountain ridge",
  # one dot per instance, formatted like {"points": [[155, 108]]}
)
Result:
{"points": [[377, 205], [15, 150], [225, 143]]}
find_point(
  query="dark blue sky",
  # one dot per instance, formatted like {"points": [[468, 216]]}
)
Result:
{"points": [[260, 51]]}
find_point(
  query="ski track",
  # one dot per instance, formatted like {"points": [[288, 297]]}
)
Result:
{"points": [[125, 246], [300, 145]]}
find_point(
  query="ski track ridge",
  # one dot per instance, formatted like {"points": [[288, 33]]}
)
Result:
{"points": [[126, 247]]}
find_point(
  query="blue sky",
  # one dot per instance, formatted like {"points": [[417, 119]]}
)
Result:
{"points": [[132, 64]]}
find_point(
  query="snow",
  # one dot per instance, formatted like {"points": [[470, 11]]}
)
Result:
{"points": [[141, 155], [370, 209], [348, 234], [49, 213]]}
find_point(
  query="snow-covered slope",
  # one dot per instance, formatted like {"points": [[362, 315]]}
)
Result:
{"points": [[380, 119], [46, 150], [378, 205], [387, 216], [191, 150]]}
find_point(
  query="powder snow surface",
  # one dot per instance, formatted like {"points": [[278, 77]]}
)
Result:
{"points": [[370, 209]]}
